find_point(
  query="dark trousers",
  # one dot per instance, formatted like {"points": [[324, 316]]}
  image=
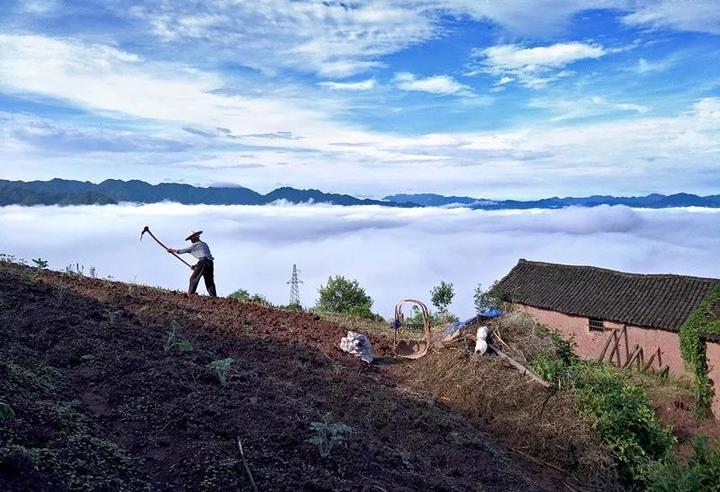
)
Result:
{"points": [[205, 269]]}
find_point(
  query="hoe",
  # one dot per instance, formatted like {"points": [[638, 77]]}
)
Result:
{"points": [[147, 229]]}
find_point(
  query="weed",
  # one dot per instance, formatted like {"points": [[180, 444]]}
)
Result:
{"points": [[701, 470], [113, 315], [40, 265], [61, 291], [172, 341], [6, 412], [328, 433], [221, 368], [76, 270]]}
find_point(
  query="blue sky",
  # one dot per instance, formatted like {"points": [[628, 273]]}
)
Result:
{"points": [[484, 98]]}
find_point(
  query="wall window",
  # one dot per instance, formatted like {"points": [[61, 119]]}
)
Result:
{"points": [[596, 324]]}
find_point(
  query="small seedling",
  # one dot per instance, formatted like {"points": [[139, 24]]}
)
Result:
{"points": [[40, 265], [173, 342], [6, 412], [221, 367], [328, 433]]}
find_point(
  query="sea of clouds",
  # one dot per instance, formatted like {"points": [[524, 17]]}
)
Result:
{"points": [[393, 253]]}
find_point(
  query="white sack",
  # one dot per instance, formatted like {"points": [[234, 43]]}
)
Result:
{"points": [[357, 344], [481, 343]]}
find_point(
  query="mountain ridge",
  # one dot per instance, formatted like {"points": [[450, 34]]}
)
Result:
{"points": [[59, 191]]}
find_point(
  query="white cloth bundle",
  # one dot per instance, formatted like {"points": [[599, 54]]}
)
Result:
{"points": [[358, 345]]}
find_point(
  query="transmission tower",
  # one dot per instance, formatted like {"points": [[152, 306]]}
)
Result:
{"points": [[294, 283]]}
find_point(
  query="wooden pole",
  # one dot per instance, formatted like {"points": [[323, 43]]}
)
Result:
{"points": [[624, 332], [523, 370], [607, 344]]}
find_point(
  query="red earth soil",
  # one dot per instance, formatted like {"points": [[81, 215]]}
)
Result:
{"points": [[100, 404]]}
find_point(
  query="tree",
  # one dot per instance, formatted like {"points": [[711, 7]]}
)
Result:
{"points": [[442, 295], [484, 299], [341, 295]]}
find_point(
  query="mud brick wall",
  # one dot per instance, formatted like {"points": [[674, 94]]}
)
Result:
{"points": [[589, 344]]}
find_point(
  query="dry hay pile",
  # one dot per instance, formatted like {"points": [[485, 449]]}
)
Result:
{"points": [[539, 422]]}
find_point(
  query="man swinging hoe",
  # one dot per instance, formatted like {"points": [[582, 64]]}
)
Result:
{"points": [[204, 268]]}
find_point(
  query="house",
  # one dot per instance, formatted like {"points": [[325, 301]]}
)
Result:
{"points": [[590, 305]]}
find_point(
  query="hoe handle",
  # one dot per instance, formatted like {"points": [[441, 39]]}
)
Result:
{"points": [[147, 229]]}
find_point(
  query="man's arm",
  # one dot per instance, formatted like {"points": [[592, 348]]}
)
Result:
{"points": [[180, 251]]}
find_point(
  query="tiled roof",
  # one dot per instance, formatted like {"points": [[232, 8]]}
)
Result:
{"points": [[658, 301]]}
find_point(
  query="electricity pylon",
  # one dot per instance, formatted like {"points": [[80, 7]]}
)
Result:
{"points": [[294, 283]]}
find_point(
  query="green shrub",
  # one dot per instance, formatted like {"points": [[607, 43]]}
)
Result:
{"points": [[699, 472], [341, 295], [621, 412], [702, 323], [245, 296], [221, 368], [623, 416], [328, 433]]}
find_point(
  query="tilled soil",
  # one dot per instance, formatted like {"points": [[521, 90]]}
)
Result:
{"points": [[102, 401]]}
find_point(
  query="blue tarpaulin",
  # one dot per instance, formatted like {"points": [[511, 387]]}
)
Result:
{"points": [[488, 313]]}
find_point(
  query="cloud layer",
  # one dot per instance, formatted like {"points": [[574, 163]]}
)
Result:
{"points": [[393, 253]]}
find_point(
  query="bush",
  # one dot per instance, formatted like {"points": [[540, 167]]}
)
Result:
{"points": [[341, 295], [245, 296], [700, 471], [442, 296], [621, 413]]}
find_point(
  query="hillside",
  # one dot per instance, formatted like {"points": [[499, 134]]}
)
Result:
{"points": [[99, 403]]}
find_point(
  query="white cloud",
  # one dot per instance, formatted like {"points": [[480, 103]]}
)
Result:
{"points": [[585, 107], [362, 85], [533, 67], [681, 15], [393, 253], [435, 84]]}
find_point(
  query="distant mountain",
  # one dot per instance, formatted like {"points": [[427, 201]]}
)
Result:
{"points": [[654, 200], [10, 195], [69, 192]]}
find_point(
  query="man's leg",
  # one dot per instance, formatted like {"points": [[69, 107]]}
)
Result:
{"points": [[195, 276], [209, 276]]}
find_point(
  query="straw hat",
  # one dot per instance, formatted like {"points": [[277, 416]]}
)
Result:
{"points": [[193, 234]]}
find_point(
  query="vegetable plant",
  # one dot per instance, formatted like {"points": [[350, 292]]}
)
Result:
{"points": [[328, 433], [221, 368]]}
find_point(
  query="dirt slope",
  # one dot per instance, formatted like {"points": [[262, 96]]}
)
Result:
{"points": [[99, 403]]}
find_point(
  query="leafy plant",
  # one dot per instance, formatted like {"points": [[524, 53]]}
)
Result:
{"points": [[328, 434], [699, 472], [6, 412], [341, 295], [39, 266], [221, 368], [442, 295], [172, 340], [703, 322]]}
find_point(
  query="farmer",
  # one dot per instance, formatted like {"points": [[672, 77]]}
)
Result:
{"points": [[203, 268]]}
